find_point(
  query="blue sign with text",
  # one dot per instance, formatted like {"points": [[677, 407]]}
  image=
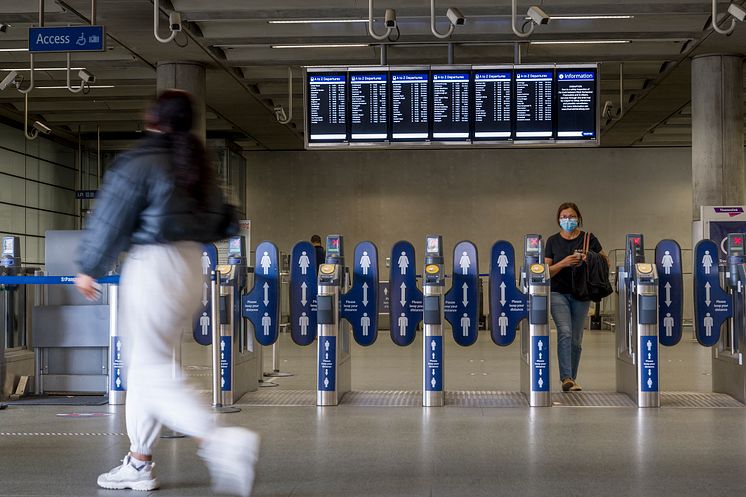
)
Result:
{"points": [[670, 292], [712, 305], [508, 305], [460, 303], [203, 321], [540, 366], [360, 303], [327, 364], [648, 364], [434, 364], [405, 299], [261, 305], [303, 293], [67, 39], [226, 360], [117, 365]]}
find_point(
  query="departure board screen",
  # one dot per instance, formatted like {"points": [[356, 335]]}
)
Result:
{"points": [[409, 105], [492, 104], [576, 104], [533, 104], [450, 105], [368, 106], [327, 113]]}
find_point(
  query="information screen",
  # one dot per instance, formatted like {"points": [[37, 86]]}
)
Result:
{"points": [[451, 105], [576, 104], [492, 104], [368, 106], [533, 104], [327, 113], [409, 105]]}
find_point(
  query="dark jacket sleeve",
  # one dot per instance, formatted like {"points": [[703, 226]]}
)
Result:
{"points": [[116, 211]]}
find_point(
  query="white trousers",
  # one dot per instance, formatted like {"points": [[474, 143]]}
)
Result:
{"points": [[160, 290]]}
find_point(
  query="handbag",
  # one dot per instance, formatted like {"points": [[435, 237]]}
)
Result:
{"points": [[590, 280], [580, 289]]}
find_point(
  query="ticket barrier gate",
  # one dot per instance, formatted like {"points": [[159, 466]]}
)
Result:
{"points": [[433, 284]]}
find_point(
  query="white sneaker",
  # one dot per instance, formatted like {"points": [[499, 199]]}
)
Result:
{"points": [[128, 476], [230, 455]]}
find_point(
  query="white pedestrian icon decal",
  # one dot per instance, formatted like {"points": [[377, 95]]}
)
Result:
{"points": [[206, 263], [326, 382], [119, 382], [403, 322], [465, 323], [204, 323], [650, 345], [650, 383], [432, 345], [668, 324], [403, 263], [502, 323], [541, 383], [326, 345], [303, 322], [709, 323], [502, 262], [266, 323], [433, 382], [365, 323], [707, 262], [365, 262], [304, 262], [266, 262], [464, 263], [667, 262], [541, 345]]}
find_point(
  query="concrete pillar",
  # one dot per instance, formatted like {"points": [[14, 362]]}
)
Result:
{"points": [[188, 76], [717, 131]]}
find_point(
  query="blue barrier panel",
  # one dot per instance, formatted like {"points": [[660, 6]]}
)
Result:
{"points": [[202, 330], [460, 303], [405, 297], [303, 293], [670, 292], [712, 304], [508, 305], [359, 304], [261, 304]]}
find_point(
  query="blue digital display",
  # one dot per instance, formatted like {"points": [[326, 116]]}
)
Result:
{"points": [[369, 107], [576, 104], [450, 106], [327, 112], [492, 105], [534, 109], [410, 101]]}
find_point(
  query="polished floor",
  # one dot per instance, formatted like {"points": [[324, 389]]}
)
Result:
{"points": [[412, 452]]}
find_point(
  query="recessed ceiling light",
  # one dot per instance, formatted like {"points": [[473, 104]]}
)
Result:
{"points": [[314, 21], [340, 45], [579, 42], [65, 87]]}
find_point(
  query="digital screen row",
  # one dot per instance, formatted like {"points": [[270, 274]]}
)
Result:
{"points": [[502, 104]]}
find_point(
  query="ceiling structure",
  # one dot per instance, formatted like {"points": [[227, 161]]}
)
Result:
{"points": [[247, 57]]}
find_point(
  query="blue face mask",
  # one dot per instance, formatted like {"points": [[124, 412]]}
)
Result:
{"points": [[569, 223]]}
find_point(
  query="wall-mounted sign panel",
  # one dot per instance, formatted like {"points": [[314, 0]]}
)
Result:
{"points": [[444, 106]]}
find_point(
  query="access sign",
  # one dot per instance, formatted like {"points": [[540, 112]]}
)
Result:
{"points": [[261, 304], [67, 39], [712, 305], [670, 292], [507, 303], [460, 303]]}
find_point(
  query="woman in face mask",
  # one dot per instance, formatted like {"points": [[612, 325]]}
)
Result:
{"points": [[564, 251]]}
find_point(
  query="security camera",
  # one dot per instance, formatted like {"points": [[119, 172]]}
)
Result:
{"points": [[606, 112], [537, 15], [390, 18], [737, 11], [280, 114], [455, 16], [10, 79], [86, 77], [4, 27], [42, 128], [174, 21]]}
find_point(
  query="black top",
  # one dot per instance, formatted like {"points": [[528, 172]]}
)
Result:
{"points": [[557, 248], [320, 255]]}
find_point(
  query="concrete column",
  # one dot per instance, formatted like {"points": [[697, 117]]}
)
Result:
{"points": [[717, 131], [187, 76]]}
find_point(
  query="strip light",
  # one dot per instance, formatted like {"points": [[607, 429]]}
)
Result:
{"points": [[579, 42], [19, 69], [13, 49], [340, 45], [65, 87], [590, 17], [314, 21]]}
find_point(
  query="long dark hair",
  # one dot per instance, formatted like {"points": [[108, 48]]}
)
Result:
{"points": [[569, 205], [173, 115]]}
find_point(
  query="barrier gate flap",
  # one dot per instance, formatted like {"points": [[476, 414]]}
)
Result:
{"points": [[203, 320], [460, 302], [712, 304], [670, 292], [405, 298], [508, 305], [303, 292], [359, 305], [261, 304]]}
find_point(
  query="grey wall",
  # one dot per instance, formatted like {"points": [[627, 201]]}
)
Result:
{"points": [[479, 195]]}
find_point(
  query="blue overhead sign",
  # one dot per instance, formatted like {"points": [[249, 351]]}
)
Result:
{"points": [[67, 39], [460, 303], [405, 298], [261, 304], [670, 292], [303, 293], [203, 321], [359, 304], [508, 305], [712, 305], [326, 380]]}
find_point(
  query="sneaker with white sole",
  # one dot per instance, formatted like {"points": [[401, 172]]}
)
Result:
{"points": [[130, 475], [230, 455], [575, 387]]}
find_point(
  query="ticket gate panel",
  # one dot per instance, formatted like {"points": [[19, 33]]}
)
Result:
{"points": [[433, 309], [508, 305], [670, 291], [460, 302], [359, 304], [405, 298], [303, 293]]}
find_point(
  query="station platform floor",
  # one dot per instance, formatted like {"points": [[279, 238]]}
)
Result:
{"points": [[377, 450]]}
